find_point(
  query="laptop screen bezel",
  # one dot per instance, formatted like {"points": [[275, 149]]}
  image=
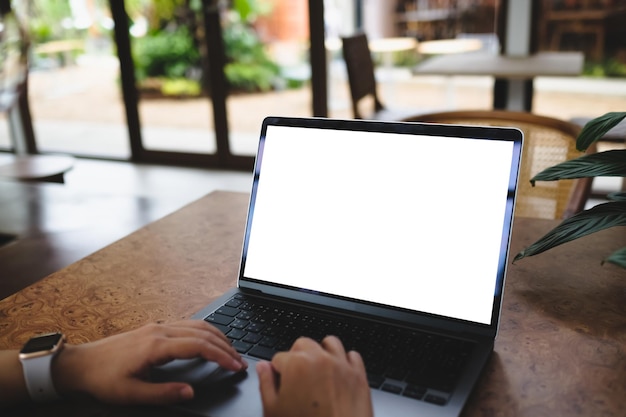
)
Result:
{"points": [[358, 307]]}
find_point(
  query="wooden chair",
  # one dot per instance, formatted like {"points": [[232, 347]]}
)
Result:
{"points": [[362, 81], [547, 141]]}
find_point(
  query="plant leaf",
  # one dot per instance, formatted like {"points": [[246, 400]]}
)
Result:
{"points": [[600, 217], [596, 128], [619, 196], [601, 164], [618, 258]]}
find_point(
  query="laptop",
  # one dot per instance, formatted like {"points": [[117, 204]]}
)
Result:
{"points": [[375, 232]]}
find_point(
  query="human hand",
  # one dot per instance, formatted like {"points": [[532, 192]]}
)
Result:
{"points": [[315, 380], [116, 369]]}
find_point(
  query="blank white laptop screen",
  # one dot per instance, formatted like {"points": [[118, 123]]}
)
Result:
{"points": [[402, 220]]}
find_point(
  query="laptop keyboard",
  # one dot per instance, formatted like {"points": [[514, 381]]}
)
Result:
{"points": [[422, 366]]}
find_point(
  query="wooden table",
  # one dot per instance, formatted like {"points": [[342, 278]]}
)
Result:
{"points": [[561, 350]]}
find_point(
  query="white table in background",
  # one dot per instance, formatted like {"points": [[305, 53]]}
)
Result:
{"points": [[556, 64]]}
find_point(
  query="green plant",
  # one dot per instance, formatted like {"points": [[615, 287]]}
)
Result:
{"points": [[249, 67], [44, 20], [165, 53], [608, 68], [171, 48], [249, 10], [600, 217], [181, 87]]}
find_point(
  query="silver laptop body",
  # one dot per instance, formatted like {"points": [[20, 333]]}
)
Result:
{"points": [[402, 224]]}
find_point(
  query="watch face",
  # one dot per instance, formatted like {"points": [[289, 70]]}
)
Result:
{"points": [[46, 342]]}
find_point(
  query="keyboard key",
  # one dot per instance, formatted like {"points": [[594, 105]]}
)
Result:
{"points": [[285, 344], [395, 389], [372, 367], [268, 341], [241, 347], [247, 306], [228, 311], [236, 334], [219, 319], [245, 315], [255, 327], [414, 391], [234, 303], [262, 352], [375, 381], [221, 328], [445, 383], [252, 338], [435, 399], [423, 361], [272, 331], [396, 373], [239, 324]]}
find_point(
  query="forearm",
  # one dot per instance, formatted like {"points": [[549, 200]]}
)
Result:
{"points": [[66, 368], [116, 369], [12, 386]]}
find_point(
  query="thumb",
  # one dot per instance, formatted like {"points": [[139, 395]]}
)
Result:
{"points": [[159, 394], [267, 385]]}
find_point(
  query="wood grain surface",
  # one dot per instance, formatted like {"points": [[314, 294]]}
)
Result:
{"points": [[163, 272], [561, 349]]}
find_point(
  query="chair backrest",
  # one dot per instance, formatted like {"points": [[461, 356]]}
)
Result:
{"points": [[547, 141], [360, 68]]}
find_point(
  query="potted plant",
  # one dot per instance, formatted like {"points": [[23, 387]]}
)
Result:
{"points": [[168, 58], [600, 217]]}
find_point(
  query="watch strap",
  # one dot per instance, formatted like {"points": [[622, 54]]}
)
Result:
{"points": [[38, 378]]}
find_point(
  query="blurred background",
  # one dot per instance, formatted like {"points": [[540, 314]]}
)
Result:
{"points": [[75, 88]]}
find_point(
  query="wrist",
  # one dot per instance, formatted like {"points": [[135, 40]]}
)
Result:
{"points": [[36, 358], [66, 371], [12, 384]]}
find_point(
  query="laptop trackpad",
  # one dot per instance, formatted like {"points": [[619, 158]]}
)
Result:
{"points": [[237, 395]]}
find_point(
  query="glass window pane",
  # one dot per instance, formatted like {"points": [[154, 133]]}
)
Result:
{"points": [[167, 41], [277, 82], [75, 98]]}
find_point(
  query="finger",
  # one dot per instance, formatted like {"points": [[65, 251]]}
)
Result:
{"points": [[194, 346], [333, 345], [196, 323], [279, 361], [356, 360], [203, 325], [301, 345], [189, 329], [304, 343], [140, 392], [267, 385], [191, 347], [199, 328], [202, 329]]}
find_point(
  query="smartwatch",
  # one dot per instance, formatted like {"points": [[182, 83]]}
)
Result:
{"points": [[36, 357]]}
